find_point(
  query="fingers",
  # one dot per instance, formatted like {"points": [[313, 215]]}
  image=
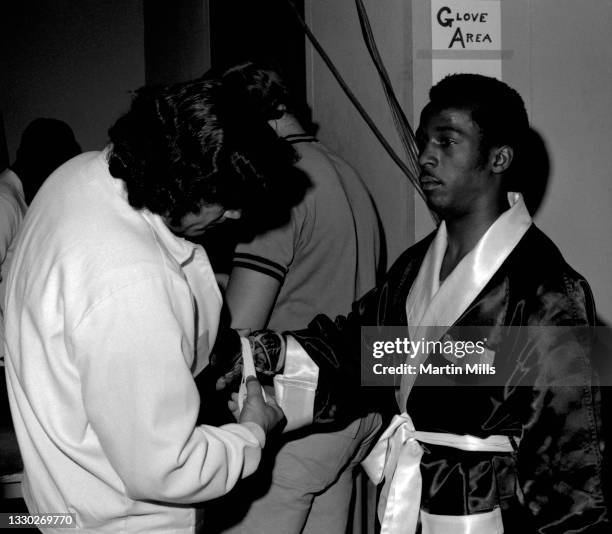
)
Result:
{"points": [[257, 409], [221, 384], [268, 391], [271, 401], [233, 406], [230, 380], [253, 387], [279, 411]]}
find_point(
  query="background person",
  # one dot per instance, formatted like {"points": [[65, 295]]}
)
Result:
{"points": [[45, 144], [320, 261]]}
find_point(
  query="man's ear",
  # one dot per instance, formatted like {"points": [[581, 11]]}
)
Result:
{"points": [[278, 112], [501, 158], [232, 214]]}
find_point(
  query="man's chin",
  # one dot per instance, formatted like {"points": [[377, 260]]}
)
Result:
{"points": [[434, 201]]}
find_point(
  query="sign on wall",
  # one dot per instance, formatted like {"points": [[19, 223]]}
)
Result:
{"points": [[466, 37]]}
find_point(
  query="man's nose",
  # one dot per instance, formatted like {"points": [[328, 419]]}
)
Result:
{"points": [[426, 156]]}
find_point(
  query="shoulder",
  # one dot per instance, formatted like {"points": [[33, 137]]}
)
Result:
{"points": [[11, 191], [320, 164], [538, 254], [556, 289], [414, 253], [82, 224]]}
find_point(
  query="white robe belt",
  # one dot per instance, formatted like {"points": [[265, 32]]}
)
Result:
{"points": [[396, 459]]}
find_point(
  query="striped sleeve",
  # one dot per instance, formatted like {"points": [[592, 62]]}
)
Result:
{"points": [[271, 252], [260, 264]]}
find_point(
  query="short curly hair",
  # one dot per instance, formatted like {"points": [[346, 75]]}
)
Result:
{"points": [[494, 106], [196, 143]]}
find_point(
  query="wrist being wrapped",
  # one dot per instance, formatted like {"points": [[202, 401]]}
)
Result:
{"points": [[268, 349]]}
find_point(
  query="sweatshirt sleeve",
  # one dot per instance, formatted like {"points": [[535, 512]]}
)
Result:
{"points": [[10, 218], [133, 355]]}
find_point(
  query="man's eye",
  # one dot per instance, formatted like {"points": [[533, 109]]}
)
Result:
{"points": [[445, 141]]}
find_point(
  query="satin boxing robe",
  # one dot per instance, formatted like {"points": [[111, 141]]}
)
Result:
{"points": [[552, 482]]}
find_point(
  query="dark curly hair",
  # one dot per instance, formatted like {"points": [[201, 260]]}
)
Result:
{"points": [[494, 106], [266, 90], [183, 146]]}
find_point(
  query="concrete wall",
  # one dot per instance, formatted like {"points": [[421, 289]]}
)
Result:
{"points": [[336, 25], [74, 61]]}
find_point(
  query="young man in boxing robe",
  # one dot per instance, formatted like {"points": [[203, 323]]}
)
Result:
{"points": [[519, 451]]}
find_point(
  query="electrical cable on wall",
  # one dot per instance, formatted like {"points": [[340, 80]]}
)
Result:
{"points": [[402, 125]]}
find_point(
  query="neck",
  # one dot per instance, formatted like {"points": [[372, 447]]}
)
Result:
{"points": [[287, 125], [464, 231]]}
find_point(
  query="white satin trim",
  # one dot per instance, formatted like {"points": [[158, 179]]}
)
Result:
{"points": [[295, 388], [484, 523], [396, 459], [432, 307]]}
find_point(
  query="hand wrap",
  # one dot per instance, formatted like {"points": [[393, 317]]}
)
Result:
{"points": [[268, 349]]}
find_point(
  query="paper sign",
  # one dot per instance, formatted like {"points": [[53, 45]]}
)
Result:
{"points": [[466, 25]]}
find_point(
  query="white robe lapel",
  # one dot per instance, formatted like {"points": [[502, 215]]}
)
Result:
{"points": [[426, 284], [435, 307]]}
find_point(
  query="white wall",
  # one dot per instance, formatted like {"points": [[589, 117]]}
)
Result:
{"points": [[560, 60], [71, 60], [571, 106], [556, 53], [336, 25]]}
